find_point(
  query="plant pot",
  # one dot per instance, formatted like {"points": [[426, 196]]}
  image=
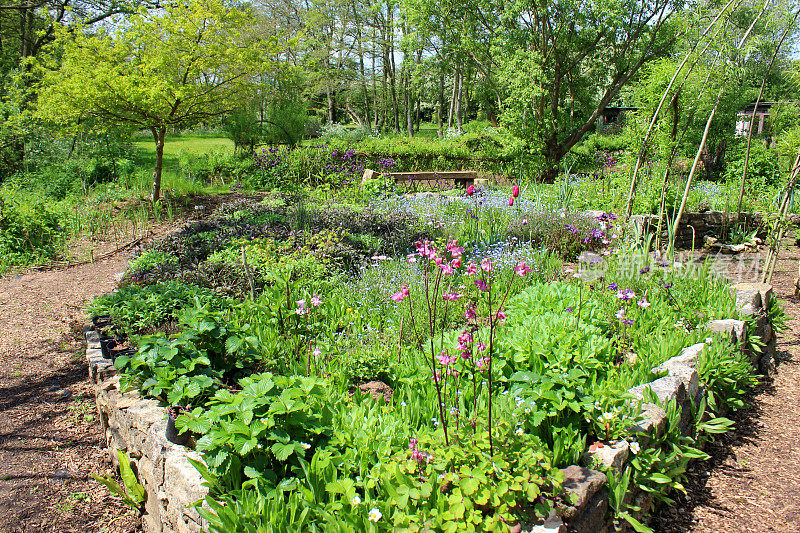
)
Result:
{"points": [[107, 344], [172, 432], [102, 321], [128, 352]]}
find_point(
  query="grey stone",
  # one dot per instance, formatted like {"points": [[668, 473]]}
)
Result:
{"points": [[666, 389], [581, 484], [748, 294], [592, 519], [654, 421], [92, 337], [553, 524], [612, 455], [737, 329]]}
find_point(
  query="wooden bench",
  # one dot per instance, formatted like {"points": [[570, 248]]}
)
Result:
{"points": [[459, 178]]}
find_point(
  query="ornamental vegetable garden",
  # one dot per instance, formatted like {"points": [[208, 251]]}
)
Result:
{"points": [[417, 362]]}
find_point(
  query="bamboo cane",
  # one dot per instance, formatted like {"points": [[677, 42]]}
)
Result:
{"points": [[640, 156], [753, 115], [707, 128], [772, 253]]}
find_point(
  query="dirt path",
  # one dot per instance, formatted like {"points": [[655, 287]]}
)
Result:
{"points": [[49, 435], [752, 481]]}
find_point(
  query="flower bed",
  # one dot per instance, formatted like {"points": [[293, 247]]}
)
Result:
{"points": [[496, 375]]}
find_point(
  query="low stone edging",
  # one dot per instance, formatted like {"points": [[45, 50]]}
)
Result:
{"points": [[137, 426]]}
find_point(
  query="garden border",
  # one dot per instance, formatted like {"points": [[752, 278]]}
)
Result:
{"points": [[589, 487], [137, 426]]}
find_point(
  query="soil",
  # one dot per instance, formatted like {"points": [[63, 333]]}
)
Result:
{"points": [[50, 439]]}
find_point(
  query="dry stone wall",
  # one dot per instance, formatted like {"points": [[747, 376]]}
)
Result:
{"points": [[681, 383], [137, 426], [695, 227]]}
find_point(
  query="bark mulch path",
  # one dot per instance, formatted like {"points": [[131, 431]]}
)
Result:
{"points": [[752, 481]]}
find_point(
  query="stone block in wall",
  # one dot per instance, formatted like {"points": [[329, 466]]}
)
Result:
{"points": [[612, 455], [687, 374], [748, 296], [582, 486], [654, 421], [737, 329], [593, 517], [552, 524], [184, 484], [667, 389]]}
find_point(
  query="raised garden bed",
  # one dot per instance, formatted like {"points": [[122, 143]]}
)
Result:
{"points": [[593, 382]]}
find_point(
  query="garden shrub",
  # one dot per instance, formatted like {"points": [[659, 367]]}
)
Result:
{"points": [[28, 233]]}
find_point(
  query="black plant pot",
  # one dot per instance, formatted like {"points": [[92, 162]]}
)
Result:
{"points": [[107, 344], [172, 432], [128, 352], [102, 321]]}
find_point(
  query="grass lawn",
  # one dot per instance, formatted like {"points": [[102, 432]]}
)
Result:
{"points": [[177, 145]]}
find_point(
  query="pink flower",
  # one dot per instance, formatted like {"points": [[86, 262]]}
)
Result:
{"points": [[486, 265], [317, 352], [470, 190], [469, 313], [620, 314], [501, 315], [482, 363], [481, 347], [456, 263], [522, 269], [447, 268], [515, 191], [315, 301], [524, 221], [472, 269], [301, 308], [481, 284], [454, 249], [445, 359], [451, 296], [511, 201], [643, 303], [400, 296]]}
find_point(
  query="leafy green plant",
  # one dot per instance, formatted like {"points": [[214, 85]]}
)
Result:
{"points": [[133, 495]]}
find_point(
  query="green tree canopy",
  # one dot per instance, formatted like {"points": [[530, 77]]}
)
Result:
{"points": [[187, 62]]}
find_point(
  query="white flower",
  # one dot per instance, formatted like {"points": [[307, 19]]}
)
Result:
{"points": [[305, 445], [356, 500], [374, 515], [520, 431], [634, 448], [403, 404]]}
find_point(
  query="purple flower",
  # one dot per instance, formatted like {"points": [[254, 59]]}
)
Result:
{"points": [[481, 284], [613, 286], [626, 294]]}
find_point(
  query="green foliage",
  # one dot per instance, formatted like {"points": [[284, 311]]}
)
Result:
{"points": [[138, 308], [133, 495], [260, 432], [189, 366], [28, 233]]}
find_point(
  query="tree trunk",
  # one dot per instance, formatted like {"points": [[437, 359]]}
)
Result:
{"points": [[158, 134]]}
